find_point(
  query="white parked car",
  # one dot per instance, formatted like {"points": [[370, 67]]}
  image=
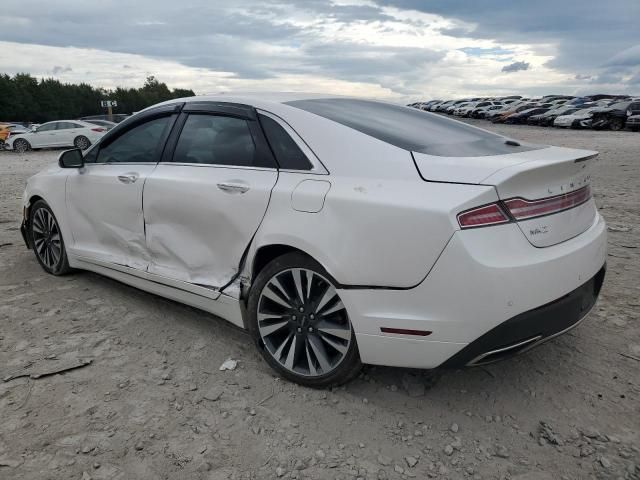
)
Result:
{"points": [[62, 133], [338, 231], [463, 109], [580, 119]]}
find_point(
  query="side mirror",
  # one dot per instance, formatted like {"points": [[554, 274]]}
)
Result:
{"points": [[71, 159], [34, 129]]}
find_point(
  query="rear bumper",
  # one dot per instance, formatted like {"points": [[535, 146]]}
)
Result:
{"points": [[531, 328], [485, 278]]}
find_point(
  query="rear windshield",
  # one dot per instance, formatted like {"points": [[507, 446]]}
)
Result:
{"points": [[409, 128]]}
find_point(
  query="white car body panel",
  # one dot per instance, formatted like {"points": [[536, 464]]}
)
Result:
{"points": [[389, 238], [453, 290]]}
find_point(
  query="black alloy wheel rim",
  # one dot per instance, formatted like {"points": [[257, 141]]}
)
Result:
{"points": [[47, 241], [82, 143], [302, 322]]}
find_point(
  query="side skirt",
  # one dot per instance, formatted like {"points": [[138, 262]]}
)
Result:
{"points": [[203, 298]]}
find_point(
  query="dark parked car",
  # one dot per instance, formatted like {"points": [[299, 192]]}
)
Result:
{"points": [[521, 117], [614, 117], [633, 123]]}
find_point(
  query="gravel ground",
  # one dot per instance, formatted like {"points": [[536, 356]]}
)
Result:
{"points": [[152, 403]]}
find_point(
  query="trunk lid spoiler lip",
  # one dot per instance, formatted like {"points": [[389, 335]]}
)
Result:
{"points": [[480, 170]]}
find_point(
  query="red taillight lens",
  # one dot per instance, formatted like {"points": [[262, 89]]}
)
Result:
{"points": [[97, 129], [482, 216], [522, 209]]}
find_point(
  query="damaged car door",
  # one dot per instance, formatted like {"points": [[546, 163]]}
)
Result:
{"points": [[207, 197], [104, 198]]}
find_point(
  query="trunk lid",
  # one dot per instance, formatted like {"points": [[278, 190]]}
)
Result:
{"points": [[545, 173]]}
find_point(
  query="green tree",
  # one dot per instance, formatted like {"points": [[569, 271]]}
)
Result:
{"points": [[24, 98]]}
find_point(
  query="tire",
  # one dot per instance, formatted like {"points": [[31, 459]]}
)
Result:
{"points": [[21, 145], [616, 124], [324, 346], [46, 239], [81, 142]]}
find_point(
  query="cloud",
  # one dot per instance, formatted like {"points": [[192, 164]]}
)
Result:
{"points": [[58, 70], [516, 67], [392, 48], [629, 57]]}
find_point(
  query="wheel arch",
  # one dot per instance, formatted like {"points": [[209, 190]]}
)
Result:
{"points": [[32, 199], [266, 253]]}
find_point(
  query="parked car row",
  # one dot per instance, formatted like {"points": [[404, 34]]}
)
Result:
{"points": [[62, 133], [599, 112]]}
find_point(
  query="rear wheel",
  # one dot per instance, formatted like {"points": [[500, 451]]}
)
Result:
{"points": [[300, 324], [21, 145], [82, 142], [46, 239]]}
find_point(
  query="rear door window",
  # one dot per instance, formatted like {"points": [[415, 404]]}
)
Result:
{"points": [[217, 140], [68, 125]]}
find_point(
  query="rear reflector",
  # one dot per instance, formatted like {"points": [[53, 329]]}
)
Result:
{"points": [[522, 209], [482, 216], [404, 331]]}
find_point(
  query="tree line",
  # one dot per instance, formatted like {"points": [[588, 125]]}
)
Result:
{"points": [[24, 98]]}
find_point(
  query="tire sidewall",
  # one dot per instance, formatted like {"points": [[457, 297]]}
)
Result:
{"points": [[62, 266], [350, 365]]}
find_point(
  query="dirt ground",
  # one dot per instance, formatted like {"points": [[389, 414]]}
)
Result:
{"points": [[152, 404]]}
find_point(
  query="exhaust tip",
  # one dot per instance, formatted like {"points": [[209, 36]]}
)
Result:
{"points": [[499, 353]]}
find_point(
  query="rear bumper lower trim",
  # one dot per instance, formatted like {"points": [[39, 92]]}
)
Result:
{"points": [[531, 328]]}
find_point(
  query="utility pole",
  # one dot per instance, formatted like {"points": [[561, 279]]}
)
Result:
{"points": [[109, 104]]}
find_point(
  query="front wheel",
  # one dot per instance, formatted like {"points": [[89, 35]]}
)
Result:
{"points": [[46, 239], [616, 124], [21, 145], [300, 324]]}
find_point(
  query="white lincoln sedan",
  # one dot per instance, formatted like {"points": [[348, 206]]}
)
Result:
{"points": [[62, 133], [337, 231]]}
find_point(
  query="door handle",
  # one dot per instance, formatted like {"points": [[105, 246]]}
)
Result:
{"points": [[128, 177], [229, 187]]}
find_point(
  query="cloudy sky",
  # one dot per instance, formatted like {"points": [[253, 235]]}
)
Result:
{"points": [[404, 49]]}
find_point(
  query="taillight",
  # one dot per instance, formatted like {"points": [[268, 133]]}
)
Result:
{"points": [[522, 209], [97, 129], [482, 216]]}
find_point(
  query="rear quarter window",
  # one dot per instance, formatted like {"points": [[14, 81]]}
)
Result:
{"points": [[288, 155]]}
